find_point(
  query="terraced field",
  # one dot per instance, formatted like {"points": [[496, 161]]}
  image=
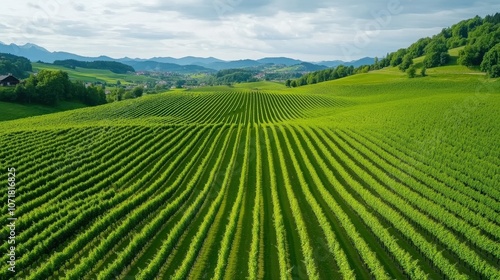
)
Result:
{"points": [[321, 182]]}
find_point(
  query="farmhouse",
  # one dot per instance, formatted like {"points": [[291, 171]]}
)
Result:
{"points": [[8, 80]]}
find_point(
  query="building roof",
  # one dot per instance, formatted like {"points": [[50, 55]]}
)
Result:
{"points": [[3, 77]]}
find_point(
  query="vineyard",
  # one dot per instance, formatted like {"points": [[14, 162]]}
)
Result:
{"points": [[344, 180]]}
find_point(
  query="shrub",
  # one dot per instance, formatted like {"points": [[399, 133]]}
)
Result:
{"points": [[412, 72]]}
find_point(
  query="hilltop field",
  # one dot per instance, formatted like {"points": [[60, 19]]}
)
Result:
{"points": [[370, 176], [94, 75]]}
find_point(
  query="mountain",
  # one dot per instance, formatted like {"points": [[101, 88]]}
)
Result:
{"points": [[355, 63], [362, 61], [188, 60], [36, 53], [303, 67], [150, 65], [30, 51], [280, 61], [330, 64], [244, 63], [185, 64]]}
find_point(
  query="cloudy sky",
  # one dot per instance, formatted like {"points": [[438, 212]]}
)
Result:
{"points": [[311, 30]]}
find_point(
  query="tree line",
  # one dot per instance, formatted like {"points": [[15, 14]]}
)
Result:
{"points": [[49, 87], [113, 66], [16, 65], [119, 93], [338, 72]]}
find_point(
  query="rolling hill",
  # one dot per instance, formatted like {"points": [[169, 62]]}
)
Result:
{"points": [[94, 75], [12, 111], [373, 175]]}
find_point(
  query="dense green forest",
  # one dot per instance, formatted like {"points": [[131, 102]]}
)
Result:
{"points": [[480, 38], [15, 65], [113, 66]]}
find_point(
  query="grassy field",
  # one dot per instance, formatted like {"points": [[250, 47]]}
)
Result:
{"points": [[12, 111], [94, 75], [371, 176]]}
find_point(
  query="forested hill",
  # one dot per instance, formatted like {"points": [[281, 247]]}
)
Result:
{"points": [[15, 65], [479, 37], [230, 76], [113, 66]]}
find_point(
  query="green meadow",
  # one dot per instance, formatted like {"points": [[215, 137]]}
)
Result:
{"points": [[94, 75]]}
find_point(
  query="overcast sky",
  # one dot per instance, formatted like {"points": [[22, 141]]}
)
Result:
{"points": [[311, 30]]}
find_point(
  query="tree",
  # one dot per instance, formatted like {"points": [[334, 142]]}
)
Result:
{"points": [[444, 57], [481, 39], [437, 45], [294, 83], [432, 60], [137, 91], [288, 83], [407, 62], [436, 59], [110, 98], [397, 57], [411, 72], [495, 71], [417, 48], [376, 65], [491, 62], [470, 56], [365, 69], [52, 86], [311, 79], [423, 71], [30, 89], [101, 95], [120, 92], [128, 95], [180, 83], [79, 91], [92, 97], [21, 94]]}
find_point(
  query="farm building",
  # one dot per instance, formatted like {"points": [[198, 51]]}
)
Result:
{"points": [[8, 80]]}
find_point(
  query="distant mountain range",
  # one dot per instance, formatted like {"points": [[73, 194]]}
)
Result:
{"points": [[150, 65], [189, 64]]}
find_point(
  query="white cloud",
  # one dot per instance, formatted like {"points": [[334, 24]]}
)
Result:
{"points": [[232, 29]]}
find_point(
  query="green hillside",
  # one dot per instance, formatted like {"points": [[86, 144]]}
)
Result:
{"points": [[373, 175], [94, 75], [12, 111]]}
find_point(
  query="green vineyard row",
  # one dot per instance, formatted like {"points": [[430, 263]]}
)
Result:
{"points": [[248, 184]]}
